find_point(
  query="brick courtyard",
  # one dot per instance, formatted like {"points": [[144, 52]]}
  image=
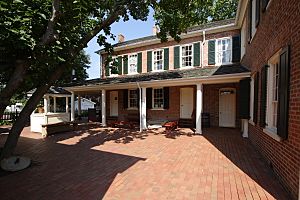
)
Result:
{"points": [[117, 164]]}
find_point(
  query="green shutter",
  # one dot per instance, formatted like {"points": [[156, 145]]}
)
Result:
{"points": [[255, 104], [139, 62], [125, 61], [283, 94], [120, 65], [149, 98], [166, 58], [197, 54], [176, 58], [211, 52], [236, 49], [149, 61], [244, 98], [263, 96], [166, 98], [257, 12], [125, 99], [107, 70]]}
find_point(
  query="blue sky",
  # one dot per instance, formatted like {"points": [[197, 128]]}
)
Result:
{"points": [[131, 29]]}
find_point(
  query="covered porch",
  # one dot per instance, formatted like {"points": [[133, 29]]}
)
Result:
{"points": [[179, 95]]}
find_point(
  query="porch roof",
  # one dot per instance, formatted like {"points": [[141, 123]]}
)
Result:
{"points": [[180, 74]]}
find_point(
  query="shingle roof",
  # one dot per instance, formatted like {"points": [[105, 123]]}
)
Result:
{"points": [[52, 90], [166, 75], [189, 30]]}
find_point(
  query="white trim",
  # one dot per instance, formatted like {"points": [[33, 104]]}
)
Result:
{"points": [[234, 105], [128, 64], [162, 58], [128, 106], [216, 51], [163, 97], [180, 55], [272, 134]]}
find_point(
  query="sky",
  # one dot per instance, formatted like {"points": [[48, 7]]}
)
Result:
{"points": [[131, 29]]}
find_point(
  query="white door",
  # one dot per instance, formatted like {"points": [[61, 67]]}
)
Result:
{"points": [[227, 108], [114, 103], [186, 103]]}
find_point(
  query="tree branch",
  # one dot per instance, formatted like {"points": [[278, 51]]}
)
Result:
{"points": [[49, 35], [107, 22]]}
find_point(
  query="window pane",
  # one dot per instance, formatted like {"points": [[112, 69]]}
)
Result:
{"points": [[158, 98], [186, 54], [158, 60]]}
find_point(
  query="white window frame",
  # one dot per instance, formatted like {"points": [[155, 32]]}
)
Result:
{"points": [[153, 60], [110, 64], [181, 57], [129, 98], [129, 63], [217, 51], [252, 100], [157, 108], [270, 129]]}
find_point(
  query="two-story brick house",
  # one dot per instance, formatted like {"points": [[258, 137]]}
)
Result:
{"points": [[242, 72], [175, 81]]}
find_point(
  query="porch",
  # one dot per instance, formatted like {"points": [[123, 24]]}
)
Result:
{"points": [[113, 163], [178, 95]]}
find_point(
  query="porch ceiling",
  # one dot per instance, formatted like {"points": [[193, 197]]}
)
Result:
{"points": [[206, 75]]}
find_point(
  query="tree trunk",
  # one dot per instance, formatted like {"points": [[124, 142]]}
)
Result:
{"points": [[12, 139], [13, 84]]}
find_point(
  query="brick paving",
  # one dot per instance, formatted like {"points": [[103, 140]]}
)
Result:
{"points": [[124, 164]]}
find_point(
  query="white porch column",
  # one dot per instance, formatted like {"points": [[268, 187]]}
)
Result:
{"points": [[79, 105], [199, 105], [67, 104], [46, 104], [103, 109], [143, 110], [54, 104], [72, 106], [245, 127]]}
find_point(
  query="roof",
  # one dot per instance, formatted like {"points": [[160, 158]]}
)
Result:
{"points": [[166, 75], [52, 90], [189, 30]]}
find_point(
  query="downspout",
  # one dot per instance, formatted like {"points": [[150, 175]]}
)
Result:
{"points": [[140, 105], [202, 50]]}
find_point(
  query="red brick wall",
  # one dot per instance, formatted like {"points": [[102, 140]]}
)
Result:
{"points": [[279, 26], [211, 102], [171, 44]]}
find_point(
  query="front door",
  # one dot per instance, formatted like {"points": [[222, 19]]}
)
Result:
{"points": [[227, 108], [186, 102], [114, 103]]}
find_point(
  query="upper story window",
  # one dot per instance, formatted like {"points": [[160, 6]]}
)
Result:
{"points": [[158, 98], [132, 62], [187, 55], [113, 69], [132, 98], [158, 61], [223, 50]]}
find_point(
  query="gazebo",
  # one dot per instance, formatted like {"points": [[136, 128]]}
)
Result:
{"points": [[51, 112]]}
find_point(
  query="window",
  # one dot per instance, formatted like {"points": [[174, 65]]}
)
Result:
{"points": [[223, 50], [158, 98], [186, 56], [158, 60], [272, 94], [132, 98], [132, 62], [113, 70]]}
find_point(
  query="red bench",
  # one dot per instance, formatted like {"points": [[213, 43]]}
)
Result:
{"points": [[170, 126]]}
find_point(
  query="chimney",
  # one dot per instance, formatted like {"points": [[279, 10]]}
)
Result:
{"points": [[121, 38], [154, 30]]}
